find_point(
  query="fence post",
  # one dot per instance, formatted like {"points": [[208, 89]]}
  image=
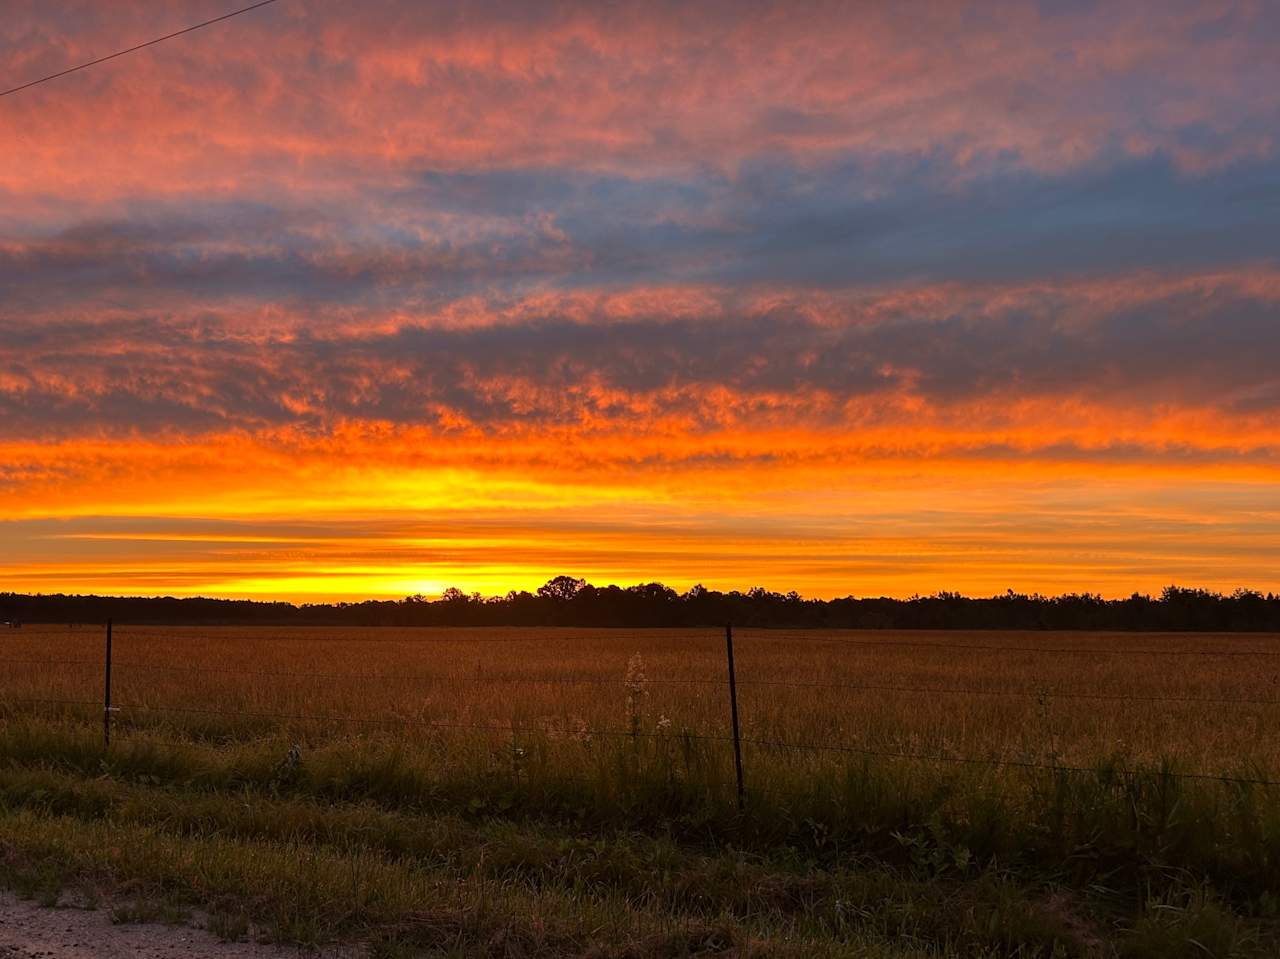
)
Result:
{"points": [[733, 712], [106, 695]]}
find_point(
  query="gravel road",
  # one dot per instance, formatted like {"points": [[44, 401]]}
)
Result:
{"points": [[28, 931]]}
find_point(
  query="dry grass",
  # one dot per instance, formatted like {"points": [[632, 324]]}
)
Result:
{"points": [[588, 773], [1011, 705]]}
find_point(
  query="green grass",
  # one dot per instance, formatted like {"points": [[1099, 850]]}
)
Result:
{"points": [[450, 847]]}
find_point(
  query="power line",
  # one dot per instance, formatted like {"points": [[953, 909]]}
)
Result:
{"points": [[134, 49]]}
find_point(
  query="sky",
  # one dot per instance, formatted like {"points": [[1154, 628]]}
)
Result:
{"points": [[332, 301]]}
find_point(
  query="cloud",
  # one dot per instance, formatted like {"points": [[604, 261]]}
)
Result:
{"points": [[726, 259], [1201, 344], [669, 87], [451, 236]]}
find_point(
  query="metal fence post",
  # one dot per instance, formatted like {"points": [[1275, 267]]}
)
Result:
{"points": [[106, 695], [733, 712]]}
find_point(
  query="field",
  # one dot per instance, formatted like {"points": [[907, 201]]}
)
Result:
{"points": [[573, 792]]}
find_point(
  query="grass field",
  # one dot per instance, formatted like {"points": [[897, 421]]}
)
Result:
{"points": [[572, 792]]}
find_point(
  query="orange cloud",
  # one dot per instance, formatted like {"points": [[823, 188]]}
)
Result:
{"points": [[889, 297]]}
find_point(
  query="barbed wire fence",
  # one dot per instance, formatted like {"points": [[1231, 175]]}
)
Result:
{"points": [[731, 738]]}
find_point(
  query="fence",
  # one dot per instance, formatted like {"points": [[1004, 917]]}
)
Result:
{"points": [[732, 738]]}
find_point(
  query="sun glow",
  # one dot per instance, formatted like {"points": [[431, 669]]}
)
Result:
{"points": [[378, 306]]}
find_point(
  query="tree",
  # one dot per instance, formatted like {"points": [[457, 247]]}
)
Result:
{"points": [[561, 588]]}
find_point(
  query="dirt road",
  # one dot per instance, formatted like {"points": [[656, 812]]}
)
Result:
{"points": [[28, 931]]}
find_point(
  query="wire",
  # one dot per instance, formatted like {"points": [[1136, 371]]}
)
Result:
{"points": [[142, 737], [742, 636], [1047, 694], [1014, 763], [383, 677], [418, 723], [628, 734], [634, 734], [979, 647], [133, 49], [459, 641]]}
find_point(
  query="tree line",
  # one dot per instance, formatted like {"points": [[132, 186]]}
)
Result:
{"points": [[568, 601]]}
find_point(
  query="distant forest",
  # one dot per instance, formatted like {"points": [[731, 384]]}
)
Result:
{"points": [[566, 601]]}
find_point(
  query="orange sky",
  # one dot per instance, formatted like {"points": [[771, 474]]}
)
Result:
{"points": [[858, 299]]}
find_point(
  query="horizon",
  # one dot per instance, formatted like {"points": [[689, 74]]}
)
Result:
{"points": [[868, 301], [681, 593]]}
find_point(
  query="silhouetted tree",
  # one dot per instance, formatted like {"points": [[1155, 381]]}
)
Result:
{"points": [[565, 600], [562, 588]]}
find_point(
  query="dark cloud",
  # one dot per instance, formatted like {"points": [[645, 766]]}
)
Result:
{"points": [[1210, 346], [453, 235]]}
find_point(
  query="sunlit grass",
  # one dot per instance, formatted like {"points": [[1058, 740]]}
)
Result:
{"points": [[620, 739]]}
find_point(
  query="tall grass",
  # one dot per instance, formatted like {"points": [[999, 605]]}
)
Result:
{"points": [[1016, 704], [585, 730]]}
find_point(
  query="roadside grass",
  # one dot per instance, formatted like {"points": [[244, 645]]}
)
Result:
{"points": [[1132, 828], [310, 894], [352, 839]]}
